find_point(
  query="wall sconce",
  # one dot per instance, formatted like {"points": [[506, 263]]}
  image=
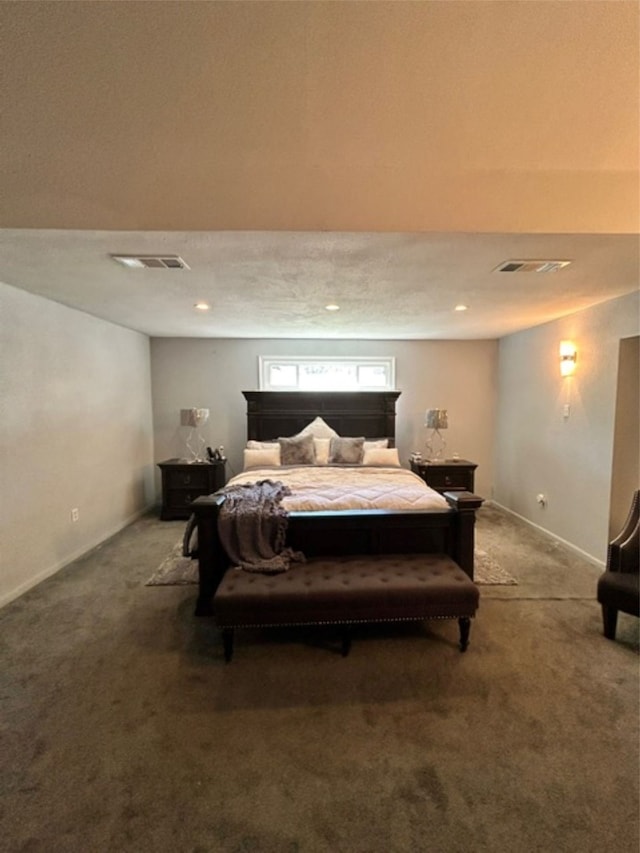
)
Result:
{"points": [[435, 420], [568, 355]]}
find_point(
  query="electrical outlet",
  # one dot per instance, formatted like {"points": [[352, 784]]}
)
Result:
{"points": [[566, 410], [75, 514]]}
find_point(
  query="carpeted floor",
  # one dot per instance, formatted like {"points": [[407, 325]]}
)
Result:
{"points": [[123, 729]]}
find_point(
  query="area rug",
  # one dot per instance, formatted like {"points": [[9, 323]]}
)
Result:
{"points": [[176, 570], [488, 571]]}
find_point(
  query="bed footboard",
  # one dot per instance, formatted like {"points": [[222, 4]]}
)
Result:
{"points": [[444, 531]]}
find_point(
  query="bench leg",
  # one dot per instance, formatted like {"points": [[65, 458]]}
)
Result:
{"points": [[227, 641], [465, 627], [346, 640]]}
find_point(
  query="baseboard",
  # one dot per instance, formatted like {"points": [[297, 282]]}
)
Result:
{"points": [[549, 535], [16, 592]]}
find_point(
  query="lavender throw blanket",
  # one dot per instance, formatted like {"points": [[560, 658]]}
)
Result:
{"points": [[252, 525]]}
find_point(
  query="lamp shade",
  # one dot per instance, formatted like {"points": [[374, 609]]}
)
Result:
{"points": [[436, 419], [193, 417]]}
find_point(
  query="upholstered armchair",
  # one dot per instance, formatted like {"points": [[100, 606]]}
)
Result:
{"points": [[618, 587]]}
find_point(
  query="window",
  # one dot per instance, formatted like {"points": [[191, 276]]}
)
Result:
{"points": [[326, 374]]}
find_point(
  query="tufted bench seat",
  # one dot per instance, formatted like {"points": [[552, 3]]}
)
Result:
{"points": [[347, 590]]}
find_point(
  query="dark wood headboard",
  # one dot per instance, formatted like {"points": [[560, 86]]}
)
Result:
{"points": [[271, 414]]}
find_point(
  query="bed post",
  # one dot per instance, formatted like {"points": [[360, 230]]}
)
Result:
{"points": [[212, 559], [466, 504]]}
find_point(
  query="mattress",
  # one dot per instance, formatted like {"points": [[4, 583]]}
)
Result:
{"points": [[331, 488]]}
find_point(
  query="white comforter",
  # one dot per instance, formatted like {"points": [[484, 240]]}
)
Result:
{"points": [[330, 488]]}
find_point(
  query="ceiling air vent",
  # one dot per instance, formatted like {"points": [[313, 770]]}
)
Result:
{"points": [[151, 262], [532, 266]]}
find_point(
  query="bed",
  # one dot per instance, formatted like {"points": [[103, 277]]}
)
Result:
{"points": [[426, 523]]}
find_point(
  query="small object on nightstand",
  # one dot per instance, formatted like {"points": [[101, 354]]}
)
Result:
{"points": [[183, 482], [447, 475], [216, 455]]}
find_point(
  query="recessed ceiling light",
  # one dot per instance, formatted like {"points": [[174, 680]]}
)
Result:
{"points": [[201, 306], [332, 307], [461, 307]]}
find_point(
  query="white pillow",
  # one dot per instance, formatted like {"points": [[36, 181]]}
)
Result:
{"points": [[263, 445], [318, 429], [322, 450], [259, 458], [381, 456], [379, 442]]}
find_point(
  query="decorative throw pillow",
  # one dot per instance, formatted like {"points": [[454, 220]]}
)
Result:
{"points": [[378, 442], [322, 450], [297, 450], [381, 456], [259, 458], [262, 445], [318, 429], [346, 451]]}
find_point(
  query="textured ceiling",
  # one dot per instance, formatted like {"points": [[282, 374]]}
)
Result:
{"points": [[268, 284], [384, 155]]}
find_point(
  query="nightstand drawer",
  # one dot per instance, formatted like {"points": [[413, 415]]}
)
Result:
{"points": [[180, 499], [446, 476], [187, 477], [447, 479], [182, 483]]}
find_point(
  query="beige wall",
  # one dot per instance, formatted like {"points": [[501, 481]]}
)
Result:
{"points": [[537, 449], [75, 431], [456, 375]]}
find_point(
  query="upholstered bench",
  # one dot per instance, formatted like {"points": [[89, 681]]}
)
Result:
{"points": [[345, 591]]}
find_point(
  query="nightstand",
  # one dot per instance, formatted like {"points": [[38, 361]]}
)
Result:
{"points": [[183, 482], [446, 475]]}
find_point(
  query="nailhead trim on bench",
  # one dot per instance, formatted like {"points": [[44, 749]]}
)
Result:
{"points": [[340, 621], [311, 594]]}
